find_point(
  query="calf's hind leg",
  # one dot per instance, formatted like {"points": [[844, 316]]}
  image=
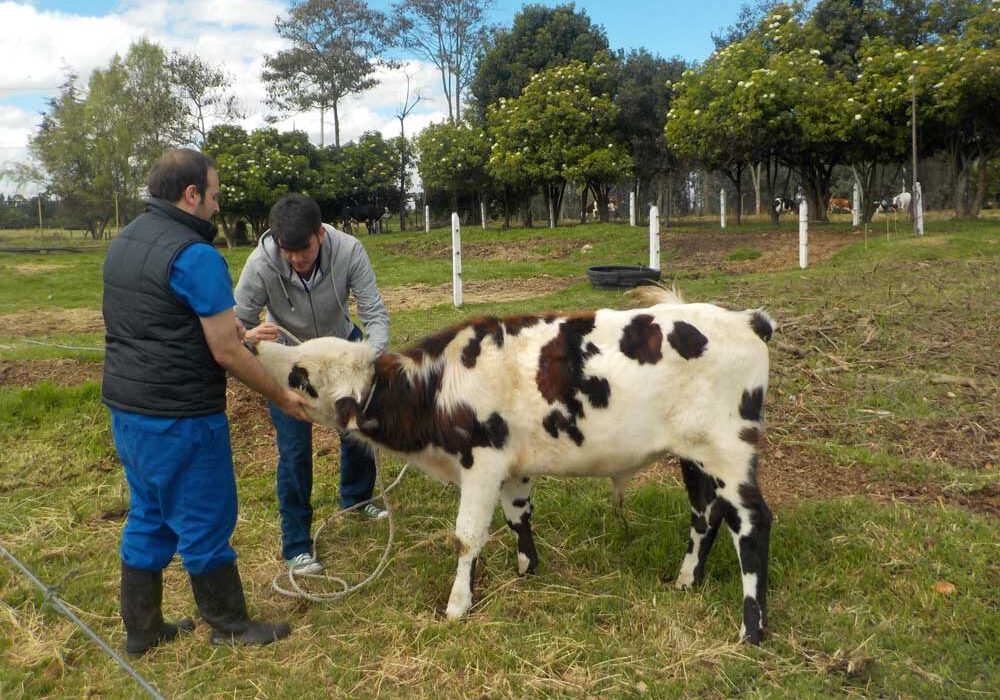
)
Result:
{"points": [[706, 515], [739, 501], [515, 497], [749, 521]]}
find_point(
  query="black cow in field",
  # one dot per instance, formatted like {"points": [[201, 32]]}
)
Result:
{"points": [[783, 204], [369, 214]]}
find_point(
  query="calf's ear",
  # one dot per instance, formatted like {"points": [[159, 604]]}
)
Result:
{"points": [[298, 378]]}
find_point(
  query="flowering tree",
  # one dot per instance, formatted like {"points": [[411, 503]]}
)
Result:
{"points": [[453, 159], [256, 170], [561, 128]]}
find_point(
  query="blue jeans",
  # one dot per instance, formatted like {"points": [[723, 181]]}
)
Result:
{"points": [[182, 490], [295, 476]]}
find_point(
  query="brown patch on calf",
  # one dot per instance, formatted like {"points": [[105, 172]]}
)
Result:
{"points": [[553, 376], [561, 377], [488, 326], [687, 340], [432, 346], [642, 340], [298, 378], [750, 435], [404, 414], [515, 324]]}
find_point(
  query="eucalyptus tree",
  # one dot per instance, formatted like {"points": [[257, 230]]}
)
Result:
{"points": [[256, 170], [334, 49], [204, 91], [451, 34], [643, 90]]}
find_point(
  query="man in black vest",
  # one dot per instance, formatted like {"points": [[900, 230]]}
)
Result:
{"points": [[171, 335]]}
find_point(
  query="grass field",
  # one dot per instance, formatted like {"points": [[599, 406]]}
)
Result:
{"points": [[881, 465]]}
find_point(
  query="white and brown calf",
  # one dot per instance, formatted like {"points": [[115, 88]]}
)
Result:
{"points": [[490, 403]]}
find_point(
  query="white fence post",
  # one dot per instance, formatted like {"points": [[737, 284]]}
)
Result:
{"points": [[654, 238], [427, 218], [631, 209], [722, 208], [456, 260], [856, 210], [918, 211], [482, 214], [803, 234]]}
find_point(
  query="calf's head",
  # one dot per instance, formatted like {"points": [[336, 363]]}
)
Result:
{"points": [[334, 375]]}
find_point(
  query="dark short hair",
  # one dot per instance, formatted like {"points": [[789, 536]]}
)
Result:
{"points": [[294, 220], [176, 170]]}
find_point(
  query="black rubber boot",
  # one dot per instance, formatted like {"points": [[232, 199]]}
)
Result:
{"points": [[141, 596], [219, 595]]}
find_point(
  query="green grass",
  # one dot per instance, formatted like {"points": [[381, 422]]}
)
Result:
{"points": [[744, 254], [853, 605]]}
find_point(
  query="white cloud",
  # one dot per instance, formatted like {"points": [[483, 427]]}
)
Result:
{"points": [[37, 47]]}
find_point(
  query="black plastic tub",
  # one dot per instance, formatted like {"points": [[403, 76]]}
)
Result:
{"points": [[619, 276]]}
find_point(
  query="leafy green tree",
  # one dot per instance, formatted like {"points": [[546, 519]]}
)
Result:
{"points": [[335, 49], [451, 34], [256, 170], [452, 159], [361, 172], [561, 128], [541, 37], [767, 97], [97, 145], [643, 91], [959, 78]]}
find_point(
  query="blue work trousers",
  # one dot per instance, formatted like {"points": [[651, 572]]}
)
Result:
{"points": [[182, 490]]}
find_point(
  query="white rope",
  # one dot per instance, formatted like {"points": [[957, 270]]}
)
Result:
{"points": [[296, 591], [62, 347]]}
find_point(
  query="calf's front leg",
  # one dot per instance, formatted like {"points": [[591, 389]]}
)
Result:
{"points": [[480, 493]]}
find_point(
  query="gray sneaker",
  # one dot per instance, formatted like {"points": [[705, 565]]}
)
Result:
{"points": [[372, 511], [304, 563]]}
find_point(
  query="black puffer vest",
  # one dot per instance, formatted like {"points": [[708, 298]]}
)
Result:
{"points": [[157, 361]]}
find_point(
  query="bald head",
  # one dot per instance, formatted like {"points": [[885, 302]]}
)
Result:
{"points": [[177, 170]]}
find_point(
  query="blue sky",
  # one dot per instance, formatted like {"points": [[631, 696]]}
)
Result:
{"points": [[40, 39]]}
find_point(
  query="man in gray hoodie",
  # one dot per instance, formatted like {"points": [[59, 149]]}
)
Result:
{"points": [[303, 272]]}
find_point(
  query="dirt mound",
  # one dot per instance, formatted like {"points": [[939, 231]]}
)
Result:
{"points": [[48, 321], [707, 250], [422, 296], [64, 372]]}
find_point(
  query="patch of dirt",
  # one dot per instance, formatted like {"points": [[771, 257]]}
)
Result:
{"points": [[32, 268], [63, 371], [421, 296], [525, 251], [707, 250], [791, 473], [50, 321]]}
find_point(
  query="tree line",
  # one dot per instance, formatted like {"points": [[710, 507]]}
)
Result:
{"points": [[814, 95]]}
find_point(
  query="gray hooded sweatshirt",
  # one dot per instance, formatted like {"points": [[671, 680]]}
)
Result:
{"points": [[268, 281]]}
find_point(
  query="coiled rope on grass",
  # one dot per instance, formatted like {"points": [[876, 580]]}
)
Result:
{"points": [[296, 591]]}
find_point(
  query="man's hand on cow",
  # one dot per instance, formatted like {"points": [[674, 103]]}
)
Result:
{"points": [[265, 331], [294, 405]]}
